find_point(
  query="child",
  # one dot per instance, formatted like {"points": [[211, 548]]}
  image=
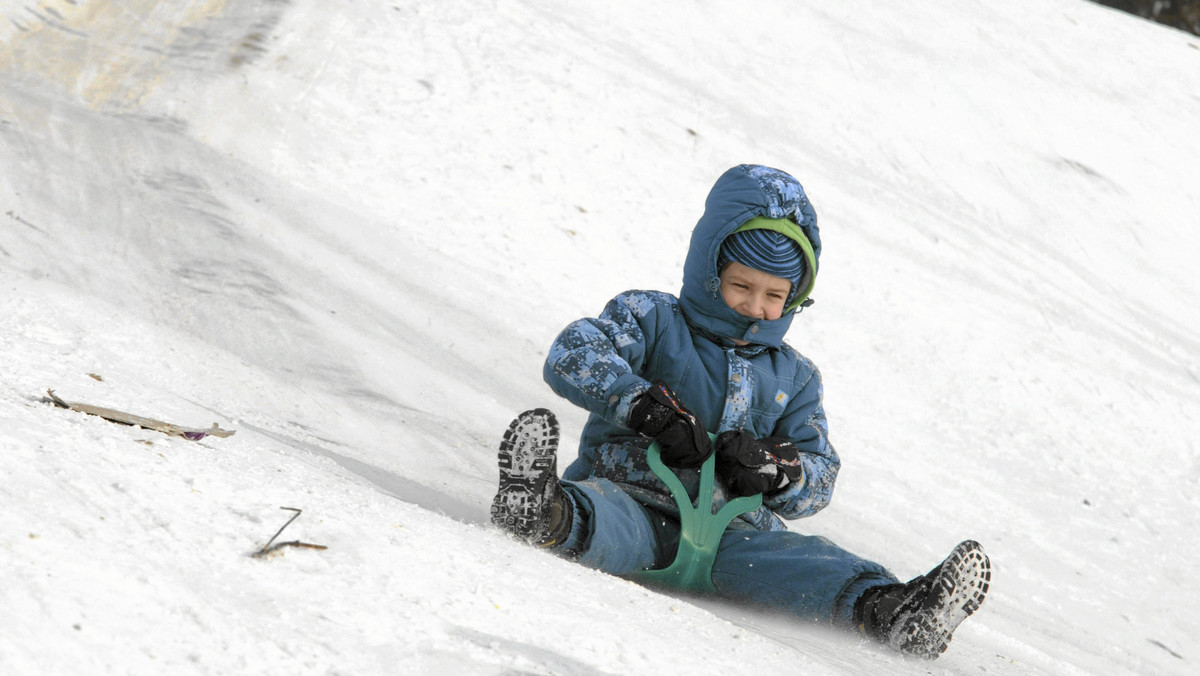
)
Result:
{"points": [[653, 367]]}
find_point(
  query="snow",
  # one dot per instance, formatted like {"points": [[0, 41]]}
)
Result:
{"points": [[349, 231]]}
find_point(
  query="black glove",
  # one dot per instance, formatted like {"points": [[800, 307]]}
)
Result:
{"points": [[657, 413], [750, 466]]}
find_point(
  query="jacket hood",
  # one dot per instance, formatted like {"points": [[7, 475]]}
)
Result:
{"points": [[743, 193]]}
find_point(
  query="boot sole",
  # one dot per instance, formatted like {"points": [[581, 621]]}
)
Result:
{"points": [[957, 590], [527, 459]]}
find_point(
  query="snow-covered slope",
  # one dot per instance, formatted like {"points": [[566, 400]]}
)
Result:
{"points": [[350, 230]]}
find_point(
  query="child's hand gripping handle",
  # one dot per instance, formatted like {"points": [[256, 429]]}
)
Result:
{"points": [[658, 414]]}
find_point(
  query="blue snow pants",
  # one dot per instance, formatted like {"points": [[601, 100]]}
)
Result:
{"points": [[804, 575]]}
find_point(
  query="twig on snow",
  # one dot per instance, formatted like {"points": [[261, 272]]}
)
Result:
{"points": [[268, 549]]}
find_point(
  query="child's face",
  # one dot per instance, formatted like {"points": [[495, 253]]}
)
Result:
{"points": [[754, 293]]}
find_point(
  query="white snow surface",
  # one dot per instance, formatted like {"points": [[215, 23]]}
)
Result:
{"points": [[349, 231]]}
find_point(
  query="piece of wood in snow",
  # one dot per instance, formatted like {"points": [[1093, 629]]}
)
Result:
{"points": [[113, 415]]}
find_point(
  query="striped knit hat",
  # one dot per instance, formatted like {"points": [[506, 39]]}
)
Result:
{"points": [[767, 251]]}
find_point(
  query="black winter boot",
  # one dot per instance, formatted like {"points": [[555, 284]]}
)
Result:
{"points": [[530, 503], [919, 617]]}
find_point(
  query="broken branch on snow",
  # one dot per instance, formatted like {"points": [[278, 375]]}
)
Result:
{"points": [[113, 415]]}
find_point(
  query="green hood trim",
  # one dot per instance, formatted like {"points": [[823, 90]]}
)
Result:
{"points": [[788, 228]]}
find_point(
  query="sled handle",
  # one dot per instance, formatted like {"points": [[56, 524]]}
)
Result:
{"points": [[699, 529]]}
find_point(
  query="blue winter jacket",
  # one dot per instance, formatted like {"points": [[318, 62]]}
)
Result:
{"points": [[767, 388]]}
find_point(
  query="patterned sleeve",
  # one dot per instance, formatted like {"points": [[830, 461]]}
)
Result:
{"points": [[805, 425], [596, 363]]}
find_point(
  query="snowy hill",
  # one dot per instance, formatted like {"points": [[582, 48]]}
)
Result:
{"points": [[350, 231]]}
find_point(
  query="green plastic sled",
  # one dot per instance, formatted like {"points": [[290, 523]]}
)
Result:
{"points": [[700, 529]]}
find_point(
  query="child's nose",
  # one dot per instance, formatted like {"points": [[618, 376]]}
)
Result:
{"points": [[756, 308]]}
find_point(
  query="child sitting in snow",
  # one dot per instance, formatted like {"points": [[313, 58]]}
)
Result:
{"points": [[653, 367]]}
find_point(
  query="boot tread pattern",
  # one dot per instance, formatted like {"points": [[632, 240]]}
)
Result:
{"points": [[958, 588], [527, 459]]}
